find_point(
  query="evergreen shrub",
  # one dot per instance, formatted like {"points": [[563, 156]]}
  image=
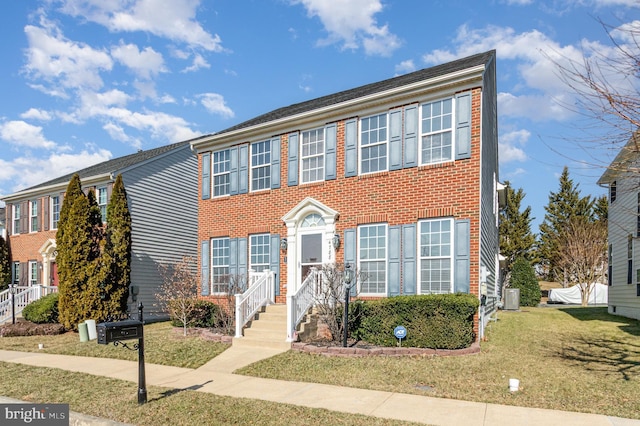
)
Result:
{"points": [[524, 277], [438, 321], [43, 310]]}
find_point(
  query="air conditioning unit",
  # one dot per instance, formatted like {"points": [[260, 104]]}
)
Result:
{"points": [[512, 299]]}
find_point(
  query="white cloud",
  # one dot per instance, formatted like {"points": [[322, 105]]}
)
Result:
{"points": [[145, 64], [510, 146], [171, 19], [352, 23], [23, 134], [36, 114], [215, 104], [158, 124], [61, 62], [405, 67], [198, 62]]}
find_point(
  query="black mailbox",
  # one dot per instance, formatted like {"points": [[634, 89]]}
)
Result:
{"points": [[109, 332]]}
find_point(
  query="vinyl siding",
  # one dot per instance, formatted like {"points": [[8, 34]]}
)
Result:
{"points": [[163, 202]]}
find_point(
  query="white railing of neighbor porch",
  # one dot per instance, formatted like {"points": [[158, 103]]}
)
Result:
{"points": [[23, 297], [298, 304], [260, 292]]}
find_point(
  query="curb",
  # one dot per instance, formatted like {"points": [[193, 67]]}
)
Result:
{"points": [[75, 419]]}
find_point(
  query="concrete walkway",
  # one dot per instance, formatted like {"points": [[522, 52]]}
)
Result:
{"points": [[216, 377]]}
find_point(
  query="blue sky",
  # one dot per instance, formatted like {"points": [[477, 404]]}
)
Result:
{"points": [[84, 81]]}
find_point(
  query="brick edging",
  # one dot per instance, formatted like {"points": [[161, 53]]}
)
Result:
{"points": [[384, 351], [205, 334]]}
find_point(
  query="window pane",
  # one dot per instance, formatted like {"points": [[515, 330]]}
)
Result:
{"points": [[312, 164], [220, 265], [372, 255], [437, 118], [260, 165], [259, 249], [435, 256]]}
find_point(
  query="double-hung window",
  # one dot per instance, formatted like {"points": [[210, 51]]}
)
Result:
{"points": [[102, 203], [372, 258], [33, 216], [435, 250], [437, 132], [259, 252], [16, 272], [220, 260], [261, 165], [221, 166], [16, 219], [312, 158], [55, 211], [33, 272], [374, 143]]}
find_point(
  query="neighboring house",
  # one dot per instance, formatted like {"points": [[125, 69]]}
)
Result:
{"points": [[398, 177], [621, 177], [161, 187], [3, 221]]}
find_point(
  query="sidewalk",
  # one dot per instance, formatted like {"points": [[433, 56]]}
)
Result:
{"points": [[216, 377]]}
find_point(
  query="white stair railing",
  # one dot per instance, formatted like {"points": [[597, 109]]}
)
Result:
{"points": [[259, 294], [298, 304], [23, 296]]}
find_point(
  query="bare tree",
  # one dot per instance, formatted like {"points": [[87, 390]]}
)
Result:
{"points": [[330, 297], [228, 287], [583, 254], [179, 290]]}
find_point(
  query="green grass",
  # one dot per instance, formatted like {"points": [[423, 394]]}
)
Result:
{"points": [[162, 345], [574, 359], [117, 400]]}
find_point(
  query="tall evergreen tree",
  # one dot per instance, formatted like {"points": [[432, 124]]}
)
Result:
{"points": [[516, 239], [5, 264], [116, 256], [563, 205], [601, 209], [76, 255]]}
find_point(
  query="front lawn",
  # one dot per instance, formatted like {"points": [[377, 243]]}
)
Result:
{"points": [[566, 358]]}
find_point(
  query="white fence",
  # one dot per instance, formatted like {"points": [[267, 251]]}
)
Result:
{"points": [[298, 304], [260, 292], [23, 296]]}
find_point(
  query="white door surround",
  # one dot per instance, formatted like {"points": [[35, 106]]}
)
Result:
{"points": [[309, 217]]}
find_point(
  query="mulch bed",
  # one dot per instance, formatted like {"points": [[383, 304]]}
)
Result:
{"points": [[27, 328], [359, 349]]}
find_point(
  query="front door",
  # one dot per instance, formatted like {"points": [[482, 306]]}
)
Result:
{"points": [[311, 253], [54, 274]]}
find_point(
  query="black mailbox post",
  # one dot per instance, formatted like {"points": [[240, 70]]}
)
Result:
{"points": [[117, 331]]}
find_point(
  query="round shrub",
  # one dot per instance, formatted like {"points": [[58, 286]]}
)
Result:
{"points": [[524, 277], [204, 314], [43, 310]]}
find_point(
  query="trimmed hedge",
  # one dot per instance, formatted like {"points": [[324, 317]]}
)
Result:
{"points": [[43, 310], [204, 315], [523, 276], [439, 321]]}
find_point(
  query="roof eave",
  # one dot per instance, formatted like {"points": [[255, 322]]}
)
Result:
{"points": [[59, 187]]}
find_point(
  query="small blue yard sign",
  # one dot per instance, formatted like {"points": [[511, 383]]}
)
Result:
{"points": [[400, 332]]}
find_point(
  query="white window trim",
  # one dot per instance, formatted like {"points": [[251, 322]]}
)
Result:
{"points": [[385, 260], [252, 167], [15, 219], [53, 223], [323, 155], [360, 146], [451, 255], [251, 264], [106, 203], [15, 272], [33, 280], [213, 174], [213, 266], [421, 134], [33, 219]]}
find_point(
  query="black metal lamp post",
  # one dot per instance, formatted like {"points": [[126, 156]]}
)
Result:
{"points": [[13, 289], [348, 277], [142, 385]]}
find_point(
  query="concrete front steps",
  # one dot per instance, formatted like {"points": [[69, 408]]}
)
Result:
{"points": [[267, 330]]}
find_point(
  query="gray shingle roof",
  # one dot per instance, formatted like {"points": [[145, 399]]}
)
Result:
{"points": [[369, 89], [113, 165]]}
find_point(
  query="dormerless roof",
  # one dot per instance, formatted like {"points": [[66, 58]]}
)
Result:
{"points": [[369, 89], [111, 166]]}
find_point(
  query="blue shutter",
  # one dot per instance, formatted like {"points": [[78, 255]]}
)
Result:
{"points": [[242, 261], [409, 253], [351, 148], [275, 163], [410, 136], [350, 247], [204, 268], [292, 173], [233, 258], [395, 139], [463, 125], [462, 256], [243, 169], [393, 262], [206, 176], [233, 171], [274, 261], [330, 152]]}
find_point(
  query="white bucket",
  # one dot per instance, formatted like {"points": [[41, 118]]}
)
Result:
{"points": [[91, 328], [40, 345], [514, 384]]}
